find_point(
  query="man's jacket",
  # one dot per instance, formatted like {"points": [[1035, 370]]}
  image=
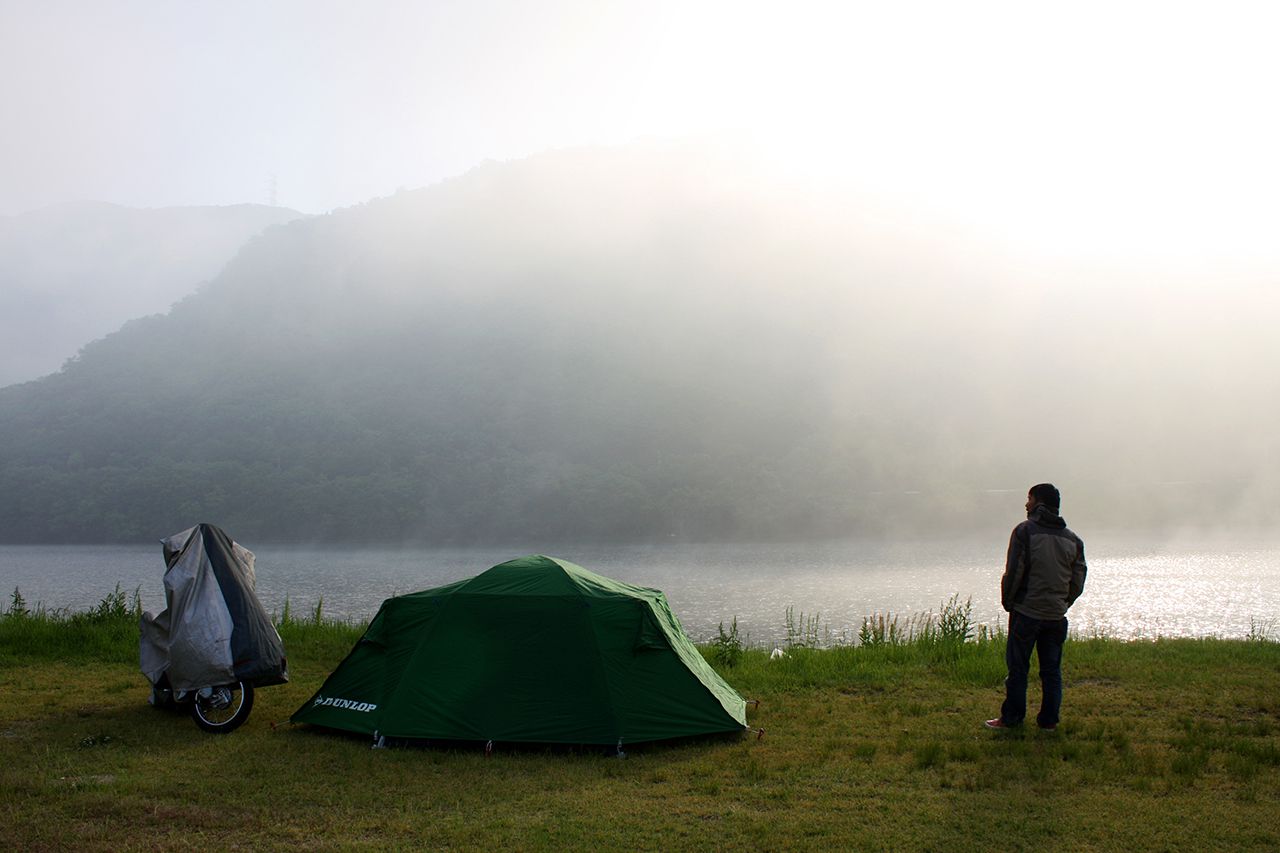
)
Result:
{"points": [[1044, 573]]}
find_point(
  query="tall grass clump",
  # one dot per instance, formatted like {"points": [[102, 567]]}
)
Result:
{"points": [[1261, 630], [107, 631], [18, 606], [951, 628], [880, 629], [115, 607], [727, 648], [887, 645], [948, 639], [806, 631], [955, 620], [328, 635]]}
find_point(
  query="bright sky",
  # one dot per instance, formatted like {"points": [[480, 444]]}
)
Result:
{"points": [[1123, 128]]}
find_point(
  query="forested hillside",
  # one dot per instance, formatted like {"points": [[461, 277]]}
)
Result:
{"points": [[634, 344], [71, 273]]}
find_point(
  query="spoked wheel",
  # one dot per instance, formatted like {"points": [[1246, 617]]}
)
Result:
{"points": [[222, 709]]}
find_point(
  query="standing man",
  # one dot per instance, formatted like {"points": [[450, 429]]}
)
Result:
{"points": [[1043, 576]]}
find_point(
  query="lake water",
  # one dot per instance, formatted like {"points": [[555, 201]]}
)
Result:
{"points": [[1134, 589]]}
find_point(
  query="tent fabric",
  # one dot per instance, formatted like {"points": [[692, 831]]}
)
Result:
{"points": [[213, 630], [533, 650]]}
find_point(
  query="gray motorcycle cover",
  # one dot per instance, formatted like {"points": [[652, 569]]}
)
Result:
{"points": [[213, 630]]}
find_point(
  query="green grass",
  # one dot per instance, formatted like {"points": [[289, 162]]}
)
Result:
{"points": [[1165, 745]]}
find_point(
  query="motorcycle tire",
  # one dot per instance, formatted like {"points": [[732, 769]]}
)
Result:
{"points": [[224, 709]]}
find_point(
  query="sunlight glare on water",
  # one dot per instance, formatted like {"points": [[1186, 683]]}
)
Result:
{"points": [[1134, 590]]}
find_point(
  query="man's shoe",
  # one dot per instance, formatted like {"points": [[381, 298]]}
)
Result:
{"points": [[1052, 728], [997, 723]]}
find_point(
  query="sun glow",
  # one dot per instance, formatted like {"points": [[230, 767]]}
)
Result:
{"points": [[1125, 129], [1119, 129]]}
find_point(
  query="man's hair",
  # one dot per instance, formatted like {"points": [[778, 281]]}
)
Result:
{"points": [[1047, 493]]}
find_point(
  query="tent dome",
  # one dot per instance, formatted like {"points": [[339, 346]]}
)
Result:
{"points": [[533, 650]]}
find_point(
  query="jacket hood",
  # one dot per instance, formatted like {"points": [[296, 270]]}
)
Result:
{"points": [[1046, 515]]}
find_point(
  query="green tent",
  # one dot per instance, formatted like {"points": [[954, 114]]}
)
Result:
{"points": [[532, 650]]}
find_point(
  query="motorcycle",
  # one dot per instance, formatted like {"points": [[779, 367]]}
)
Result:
{"points": [[214, 643]]}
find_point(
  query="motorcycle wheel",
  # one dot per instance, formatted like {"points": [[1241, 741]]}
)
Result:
{"points": [[224, 709]]}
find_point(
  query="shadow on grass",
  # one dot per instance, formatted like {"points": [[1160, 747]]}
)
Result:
{"points": [[496, 748]]}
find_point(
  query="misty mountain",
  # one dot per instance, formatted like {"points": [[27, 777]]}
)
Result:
{"points": [[642, 343], [71, 273]]}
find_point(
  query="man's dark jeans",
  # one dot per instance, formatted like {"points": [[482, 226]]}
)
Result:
{"points": [[1046, 636]]}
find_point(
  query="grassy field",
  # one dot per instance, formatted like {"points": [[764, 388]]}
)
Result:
{"points": [[1165, 745]]}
